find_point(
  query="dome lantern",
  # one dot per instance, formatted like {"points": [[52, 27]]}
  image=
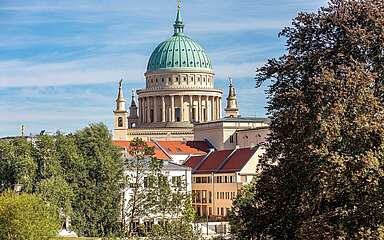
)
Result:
{"points": [[179, 25], [179, 52]]}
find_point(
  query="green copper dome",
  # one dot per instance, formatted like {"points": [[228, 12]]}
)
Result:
{"points": [[179, 51]]}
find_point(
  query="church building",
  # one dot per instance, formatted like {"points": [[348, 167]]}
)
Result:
{"points": [[179, 93], [179, 113]]}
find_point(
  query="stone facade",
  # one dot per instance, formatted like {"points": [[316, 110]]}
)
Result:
{"points": [[223, 133]]}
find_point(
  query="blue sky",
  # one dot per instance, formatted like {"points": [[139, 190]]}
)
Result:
{"points": [[60, 60]]}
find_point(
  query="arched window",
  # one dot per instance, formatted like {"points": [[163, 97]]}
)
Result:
{"points": [[120, 122]]}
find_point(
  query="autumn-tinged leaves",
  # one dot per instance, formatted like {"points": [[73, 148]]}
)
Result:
{"points": [[326, 108]]}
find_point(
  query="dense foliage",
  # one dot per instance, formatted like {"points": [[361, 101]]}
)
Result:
{"points": [[97, 183], [323, 177], [26, 217], [80, 175]]}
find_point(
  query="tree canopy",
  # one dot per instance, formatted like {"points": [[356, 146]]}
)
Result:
{"points": [[80, 175], [323, 176]]}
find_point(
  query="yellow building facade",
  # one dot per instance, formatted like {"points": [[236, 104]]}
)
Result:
{"points": [[218, 177]]}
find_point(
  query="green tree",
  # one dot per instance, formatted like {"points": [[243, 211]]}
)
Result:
{"points": [[50, 183], [97, 201], [323, 177], [242, 223], [17, 166], [26, 217]]}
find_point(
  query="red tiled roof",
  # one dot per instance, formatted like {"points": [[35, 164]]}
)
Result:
{"points": [[193, 161], [221, 161], [179, 148], [213, 161], [237, 160], [159, 153], [201, 145]]}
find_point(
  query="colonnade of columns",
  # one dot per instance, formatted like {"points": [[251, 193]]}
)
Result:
{"points": [[179, 108]]}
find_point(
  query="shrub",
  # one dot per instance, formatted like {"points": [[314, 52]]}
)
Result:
{"points": [[26, 217]]}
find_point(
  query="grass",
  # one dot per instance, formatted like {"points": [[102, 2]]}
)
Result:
{"points": [[79, 238]]}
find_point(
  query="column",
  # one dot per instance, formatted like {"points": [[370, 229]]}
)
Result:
{"points": [[212, 108], [144, 110], [140, 108], [181, 108], [190, 107], [220, 107], [208, 108], [155, 109], [217, 108], [148, 109], [163, 109], [200, 112], [172, 108]]}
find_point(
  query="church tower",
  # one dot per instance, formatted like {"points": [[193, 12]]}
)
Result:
{"points": [[133, 118], [120, 115], [232, 109]]}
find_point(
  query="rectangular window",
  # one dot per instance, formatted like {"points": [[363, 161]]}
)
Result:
{"points": [[226, 179], [226, 195], [176, 181], [198, 196], [222, 211], [219, 179], [204, 196], [231, 139], [221, 195], [204, 180], [177, 114], [218, 195], [205, 114], [210, 197], [151, 113], [198, 179]]}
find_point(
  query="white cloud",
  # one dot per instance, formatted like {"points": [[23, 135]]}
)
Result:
{"points": [[18, 73], [97, 70]]}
